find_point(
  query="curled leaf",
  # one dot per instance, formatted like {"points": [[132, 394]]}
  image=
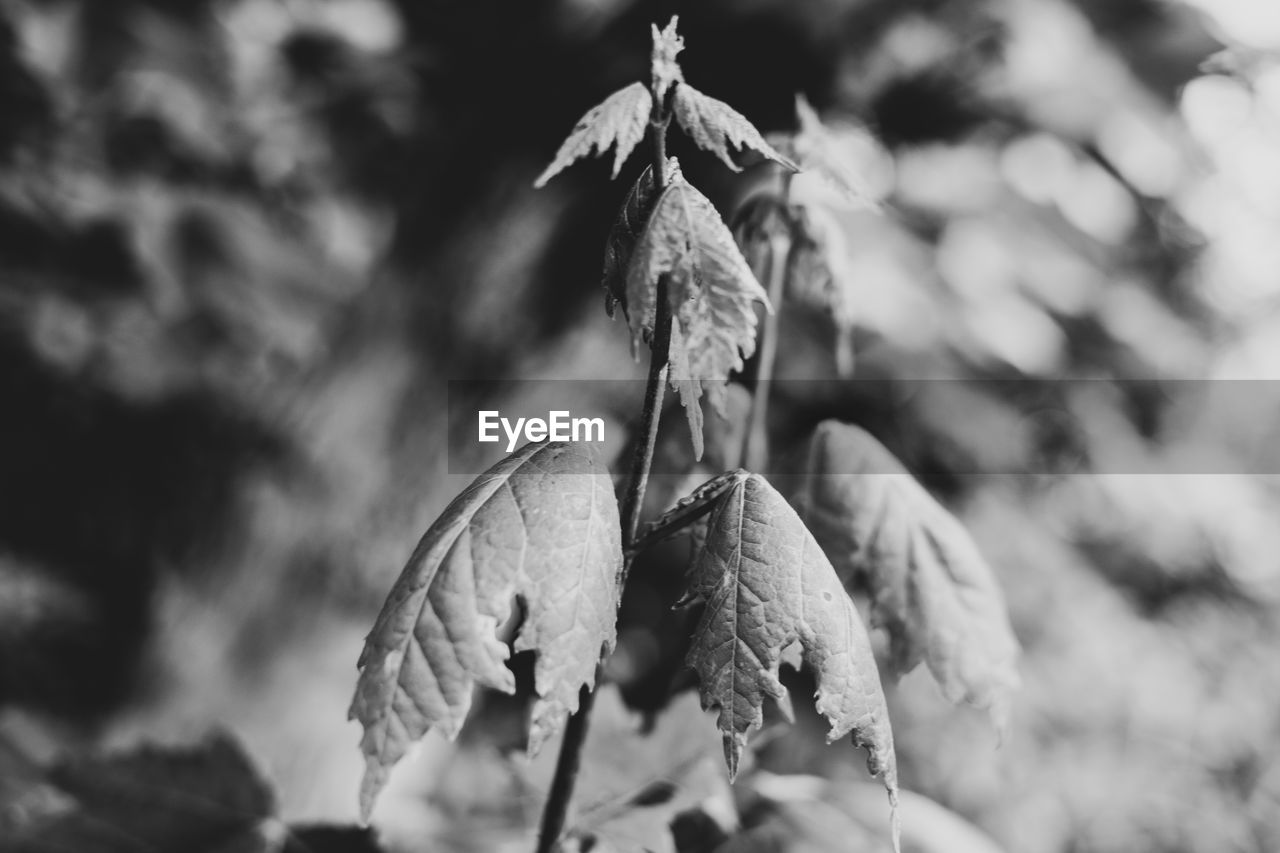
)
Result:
{"points": [[626, 230], [930, 587], [767, 586], [542, 525], [619, 120], [716, 127]]}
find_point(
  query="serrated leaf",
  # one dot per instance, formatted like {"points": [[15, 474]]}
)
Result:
{"points": [[716, 127], [931, 589], [664, 67], [619, 120], [711, 291], [206, 798], [767, 585], [541, 525]]}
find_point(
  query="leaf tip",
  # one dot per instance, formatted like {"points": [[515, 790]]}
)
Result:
{"points": [[547, 174], [375, 778], [733, 744], [785, 707]]}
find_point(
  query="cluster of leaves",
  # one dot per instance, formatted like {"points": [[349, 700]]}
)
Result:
{"points": [[1162, 567], [668, 230], [769, 589]]}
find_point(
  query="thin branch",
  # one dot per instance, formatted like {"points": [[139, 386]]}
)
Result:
{"points": [[777, 232]]}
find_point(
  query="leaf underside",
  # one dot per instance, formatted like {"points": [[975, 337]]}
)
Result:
{"points": [[541, 525], [619, 120], [768, 589], [717, 127], [711, 291], [931, 589]]}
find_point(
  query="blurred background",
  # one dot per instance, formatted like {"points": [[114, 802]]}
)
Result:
{"points": [[244, 244]]}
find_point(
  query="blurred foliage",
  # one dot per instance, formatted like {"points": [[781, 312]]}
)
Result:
{"points": [[244, 242]]}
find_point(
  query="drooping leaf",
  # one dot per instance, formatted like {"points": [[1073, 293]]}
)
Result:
{"points": [[619, 120], [207, 798], [768, 586], [931, 589], [542, 525], [711, 292], [717, 127], [665, 68], [635, 780], [626, 230]]}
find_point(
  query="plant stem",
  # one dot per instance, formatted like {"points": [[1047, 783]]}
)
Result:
{"points": [[569, 760], [654, 391], [567, 763], [755, 443]]}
